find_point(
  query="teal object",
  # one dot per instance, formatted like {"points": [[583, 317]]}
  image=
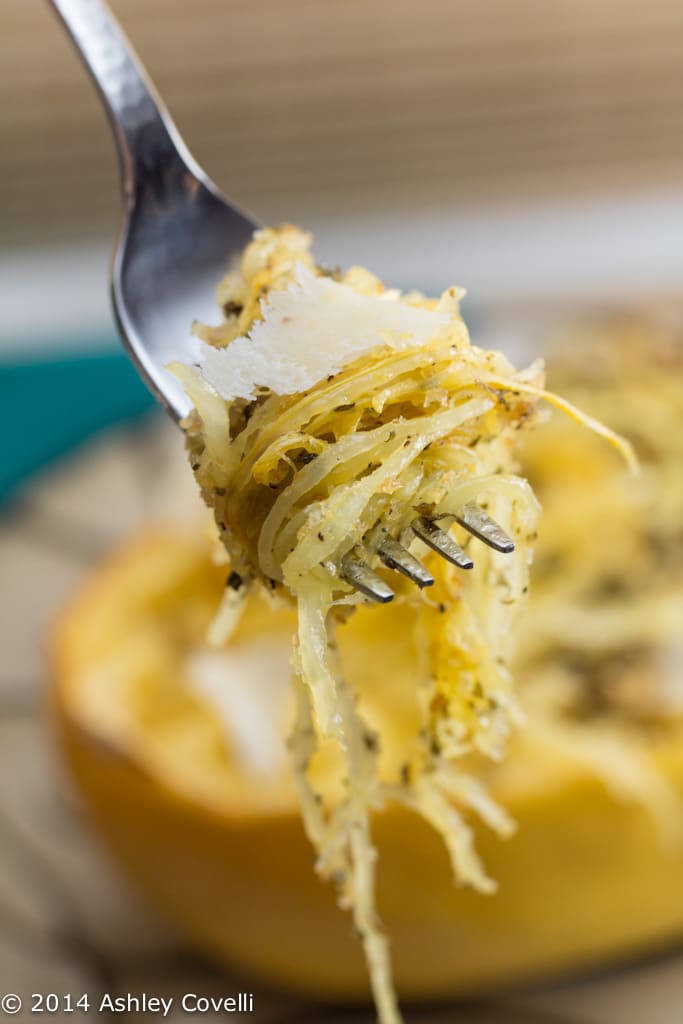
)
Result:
{"points": [[49, 406]]}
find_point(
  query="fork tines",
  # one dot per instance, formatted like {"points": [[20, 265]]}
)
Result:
{"points": [[481, 525], [439, 541], [395, 556], [362, 578]]}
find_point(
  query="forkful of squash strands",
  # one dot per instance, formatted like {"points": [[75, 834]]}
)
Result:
{"points": [[341, 427]]}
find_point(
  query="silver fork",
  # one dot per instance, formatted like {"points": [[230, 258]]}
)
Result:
{"points": [[179, 235]]}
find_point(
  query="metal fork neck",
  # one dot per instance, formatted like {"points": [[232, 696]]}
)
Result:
{"points": [[149, 148]]}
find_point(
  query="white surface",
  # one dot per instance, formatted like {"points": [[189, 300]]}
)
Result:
{"points": [[601, 249], [55, 296], [250, 691]]}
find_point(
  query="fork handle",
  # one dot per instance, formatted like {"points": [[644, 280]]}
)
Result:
{"points": [[147, 141]]}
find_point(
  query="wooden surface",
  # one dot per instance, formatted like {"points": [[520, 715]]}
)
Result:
{"points": [[67, 921], [300, 105]]}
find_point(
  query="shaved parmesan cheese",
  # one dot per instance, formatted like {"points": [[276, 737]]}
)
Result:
{"points": [[248, 687], [309, 331]]}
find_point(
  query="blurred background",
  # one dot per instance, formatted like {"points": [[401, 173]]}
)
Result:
{"points": [[530, 151], [521, 148]]}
